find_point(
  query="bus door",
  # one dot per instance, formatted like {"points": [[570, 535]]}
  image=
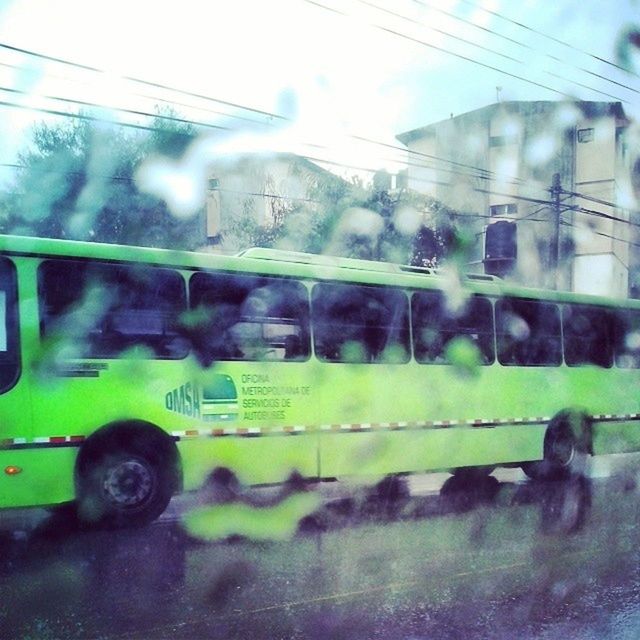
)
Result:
{"points": [[15, 413]]}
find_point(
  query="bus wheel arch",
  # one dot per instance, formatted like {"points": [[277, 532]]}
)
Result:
{"points": [[568, 442], [125, 474]]}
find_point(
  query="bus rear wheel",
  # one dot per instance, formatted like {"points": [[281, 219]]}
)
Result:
{"points": [[567, 444]]}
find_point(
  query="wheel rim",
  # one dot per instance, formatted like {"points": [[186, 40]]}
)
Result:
{"points": [[563, 449], [129, 483]]}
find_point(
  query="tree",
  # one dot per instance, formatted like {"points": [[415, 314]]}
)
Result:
{"points": [[378, 223], [78, 181], [350, 219]]}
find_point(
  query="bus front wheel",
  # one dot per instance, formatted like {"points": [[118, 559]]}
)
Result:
{"points": [[123, 485]]}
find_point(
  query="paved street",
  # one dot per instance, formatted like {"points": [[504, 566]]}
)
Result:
{"points": [[502, 558]]}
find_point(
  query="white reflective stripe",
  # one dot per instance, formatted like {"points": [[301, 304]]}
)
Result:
{"points": [[347, 427]]}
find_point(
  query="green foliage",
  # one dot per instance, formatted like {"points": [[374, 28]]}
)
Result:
{"points": [[78, 182], [348, 219]]}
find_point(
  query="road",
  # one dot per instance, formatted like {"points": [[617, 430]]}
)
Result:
{"points": [[500, 558]]}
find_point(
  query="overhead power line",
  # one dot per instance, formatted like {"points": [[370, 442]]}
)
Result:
{"points": [[524, 45], [312, 158], [547, 204], [440, 31], [447, 51], [146, 114], [470, 60], [511, 58], [321, 160], [478, 172], [86, 117], [148, 83], [462, 169], [155, 98], [564, 223], [501, 16]]}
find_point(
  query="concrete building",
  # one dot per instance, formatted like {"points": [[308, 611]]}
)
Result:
{"points": [[559, 172], [259, 187]]}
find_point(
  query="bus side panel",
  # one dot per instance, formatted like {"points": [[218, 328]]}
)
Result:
{"points": [[254, 460], [616, 437], [40, 480], [77, 401], [171, 395], [427, 449]]}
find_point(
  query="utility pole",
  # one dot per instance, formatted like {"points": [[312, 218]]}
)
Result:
{"points": [[556, 190]]}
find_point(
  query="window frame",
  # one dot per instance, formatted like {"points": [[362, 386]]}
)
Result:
{"points": [[500, 352], [304, 321], [610, 337], [402, 334], [491, 333], [114, 353]]}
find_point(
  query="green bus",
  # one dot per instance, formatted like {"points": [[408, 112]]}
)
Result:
{"points": [[129, 374]]}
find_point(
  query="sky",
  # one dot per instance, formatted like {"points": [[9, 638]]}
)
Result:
{"points": [[345, 76]]}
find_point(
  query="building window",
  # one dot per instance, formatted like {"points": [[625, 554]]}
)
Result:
{"points": [[503, 209], [503, 141], [585, 135]]}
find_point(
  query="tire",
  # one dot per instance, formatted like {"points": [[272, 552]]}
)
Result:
{"points": [[462, 492], [124, 486], [390, 489], [565, 509], [567, 444]]}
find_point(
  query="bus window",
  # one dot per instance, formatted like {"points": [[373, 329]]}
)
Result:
{"points": [[627, 340], [360, 324], [240, 317], [435, 325], [102, 310], [528, 333], [588, 335], [9, 349]]}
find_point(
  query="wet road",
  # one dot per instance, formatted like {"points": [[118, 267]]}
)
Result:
{"points": [[502, 558]]}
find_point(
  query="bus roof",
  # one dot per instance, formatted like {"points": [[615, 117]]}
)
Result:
{"points": [[294, 264]]}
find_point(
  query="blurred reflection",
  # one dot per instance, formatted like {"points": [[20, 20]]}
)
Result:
{"points": [[564, 506], [377, 561], [63, 578], [462, 493]]}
